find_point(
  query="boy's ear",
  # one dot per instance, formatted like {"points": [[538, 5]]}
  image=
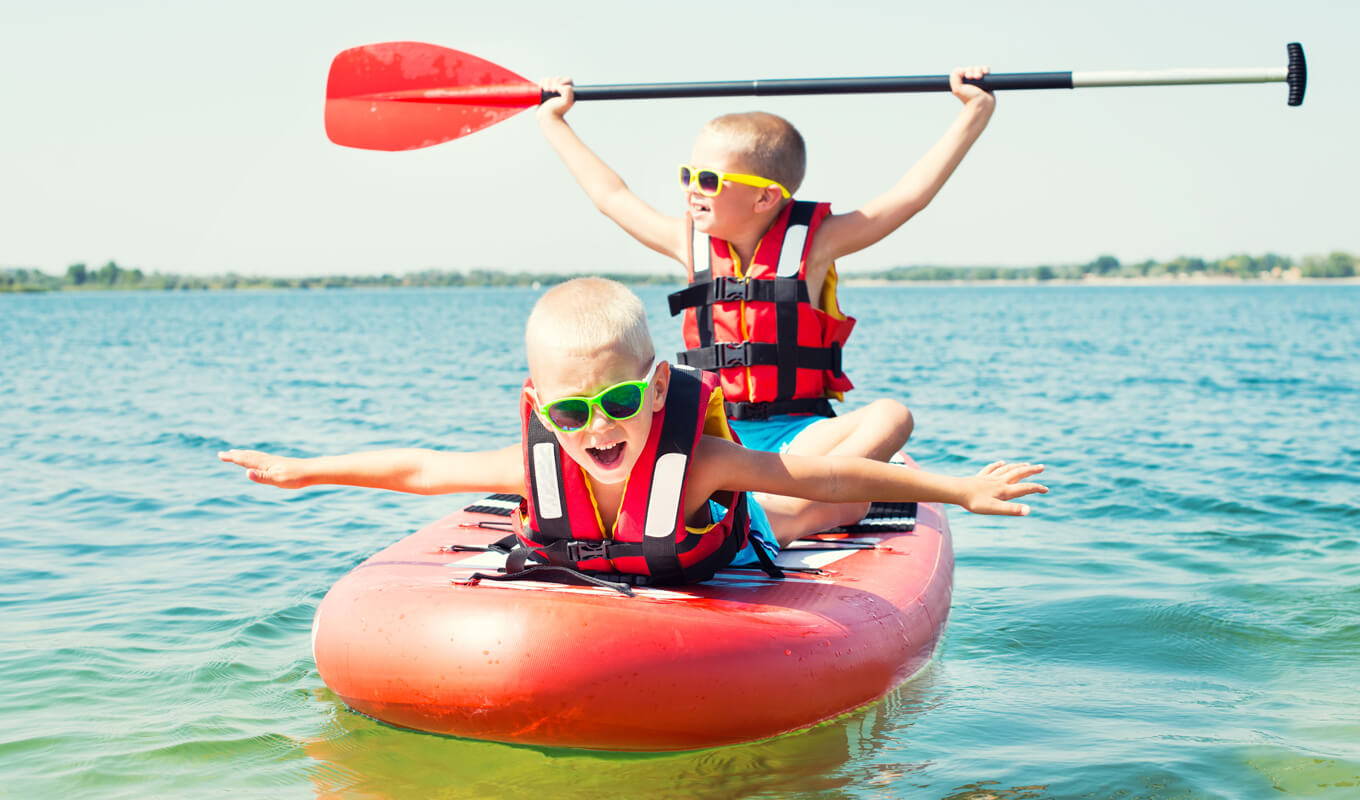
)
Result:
{"points": [[769, 198], [661, 383]]}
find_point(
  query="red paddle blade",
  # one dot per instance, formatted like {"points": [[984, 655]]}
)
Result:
{"points": [[407, 95]]}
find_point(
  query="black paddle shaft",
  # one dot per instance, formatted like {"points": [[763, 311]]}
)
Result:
{"points": [[771, 88], [1295, 74]]}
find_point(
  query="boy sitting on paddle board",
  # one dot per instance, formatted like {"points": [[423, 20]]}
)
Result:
{"points": [[628, 465], [761, 307]]}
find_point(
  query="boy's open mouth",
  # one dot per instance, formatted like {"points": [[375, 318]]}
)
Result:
{"points": [[607, 456]]}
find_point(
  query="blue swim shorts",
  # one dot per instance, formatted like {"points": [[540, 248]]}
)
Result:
{"points": [[760, 529], [774, 434]]}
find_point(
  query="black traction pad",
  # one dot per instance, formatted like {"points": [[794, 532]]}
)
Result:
{"points": [[883, 517], [500, 505]]}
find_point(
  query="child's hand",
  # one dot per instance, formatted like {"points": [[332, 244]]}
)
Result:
{"points": [[285, 473], [967, 92], [560, 105], [989, 491]]}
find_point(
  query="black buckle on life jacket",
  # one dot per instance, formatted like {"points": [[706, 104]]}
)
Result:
{"points": [[586, 550], [818, 406], [732, 354], [726, 288], [836, 360]]}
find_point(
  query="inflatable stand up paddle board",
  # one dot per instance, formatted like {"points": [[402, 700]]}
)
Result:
{"points": [[416, 638]]}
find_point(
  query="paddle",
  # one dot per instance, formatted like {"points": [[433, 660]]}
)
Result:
{"points": [[407, 95]]}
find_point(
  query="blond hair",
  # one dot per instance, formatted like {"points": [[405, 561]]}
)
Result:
{"points": [[768, 144], [590, 315]]}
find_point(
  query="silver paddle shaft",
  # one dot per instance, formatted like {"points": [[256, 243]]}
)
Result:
{"points": [[1178, 77]]}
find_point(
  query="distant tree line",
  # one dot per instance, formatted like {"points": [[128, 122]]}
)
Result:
{"points": [[111, 276], [1334, 265]]}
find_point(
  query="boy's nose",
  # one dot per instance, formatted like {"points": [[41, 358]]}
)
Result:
{"points": [[599, 422]]}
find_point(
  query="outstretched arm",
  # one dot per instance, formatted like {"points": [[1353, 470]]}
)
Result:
{"points": [[842, 234], [602, 185], [410, 470], [846, 479]]}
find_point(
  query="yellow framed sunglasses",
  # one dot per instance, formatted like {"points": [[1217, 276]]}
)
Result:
{"points": [[710, 181]]}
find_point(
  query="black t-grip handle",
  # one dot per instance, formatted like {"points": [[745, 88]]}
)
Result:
{"points": [[1298, 73]]}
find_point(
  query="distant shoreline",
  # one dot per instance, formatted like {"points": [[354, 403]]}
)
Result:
{"points": [[1337, 267], [1195, 280], [847, 282]]}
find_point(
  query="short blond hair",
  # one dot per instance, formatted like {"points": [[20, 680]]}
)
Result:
{"points": [[769, 144], [590, 315]]}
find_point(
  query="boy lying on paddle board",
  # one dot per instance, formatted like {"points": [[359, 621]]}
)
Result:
{"points": [[761, 308], [635, 457]]}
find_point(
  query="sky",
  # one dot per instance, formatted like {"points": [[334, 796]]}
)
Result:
{"points": [[187, 137]]}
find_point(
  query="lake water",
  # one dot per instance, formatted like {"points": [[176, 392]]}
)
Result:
{"points": [[1179, 618]]}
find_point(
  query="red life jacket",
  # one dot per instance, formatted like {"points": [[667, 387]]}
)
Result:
{"points": [[775, 351], [559, 522]]}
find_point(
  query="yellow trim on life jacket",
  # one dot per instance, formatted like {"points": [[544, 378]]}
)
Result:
{"points": [[703, 530], [832, 306], [610, 532], [715, 417]]}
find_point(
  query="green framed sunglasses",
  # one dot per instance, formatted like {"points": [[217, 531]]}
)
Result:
{"points": [[618, 402]]}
